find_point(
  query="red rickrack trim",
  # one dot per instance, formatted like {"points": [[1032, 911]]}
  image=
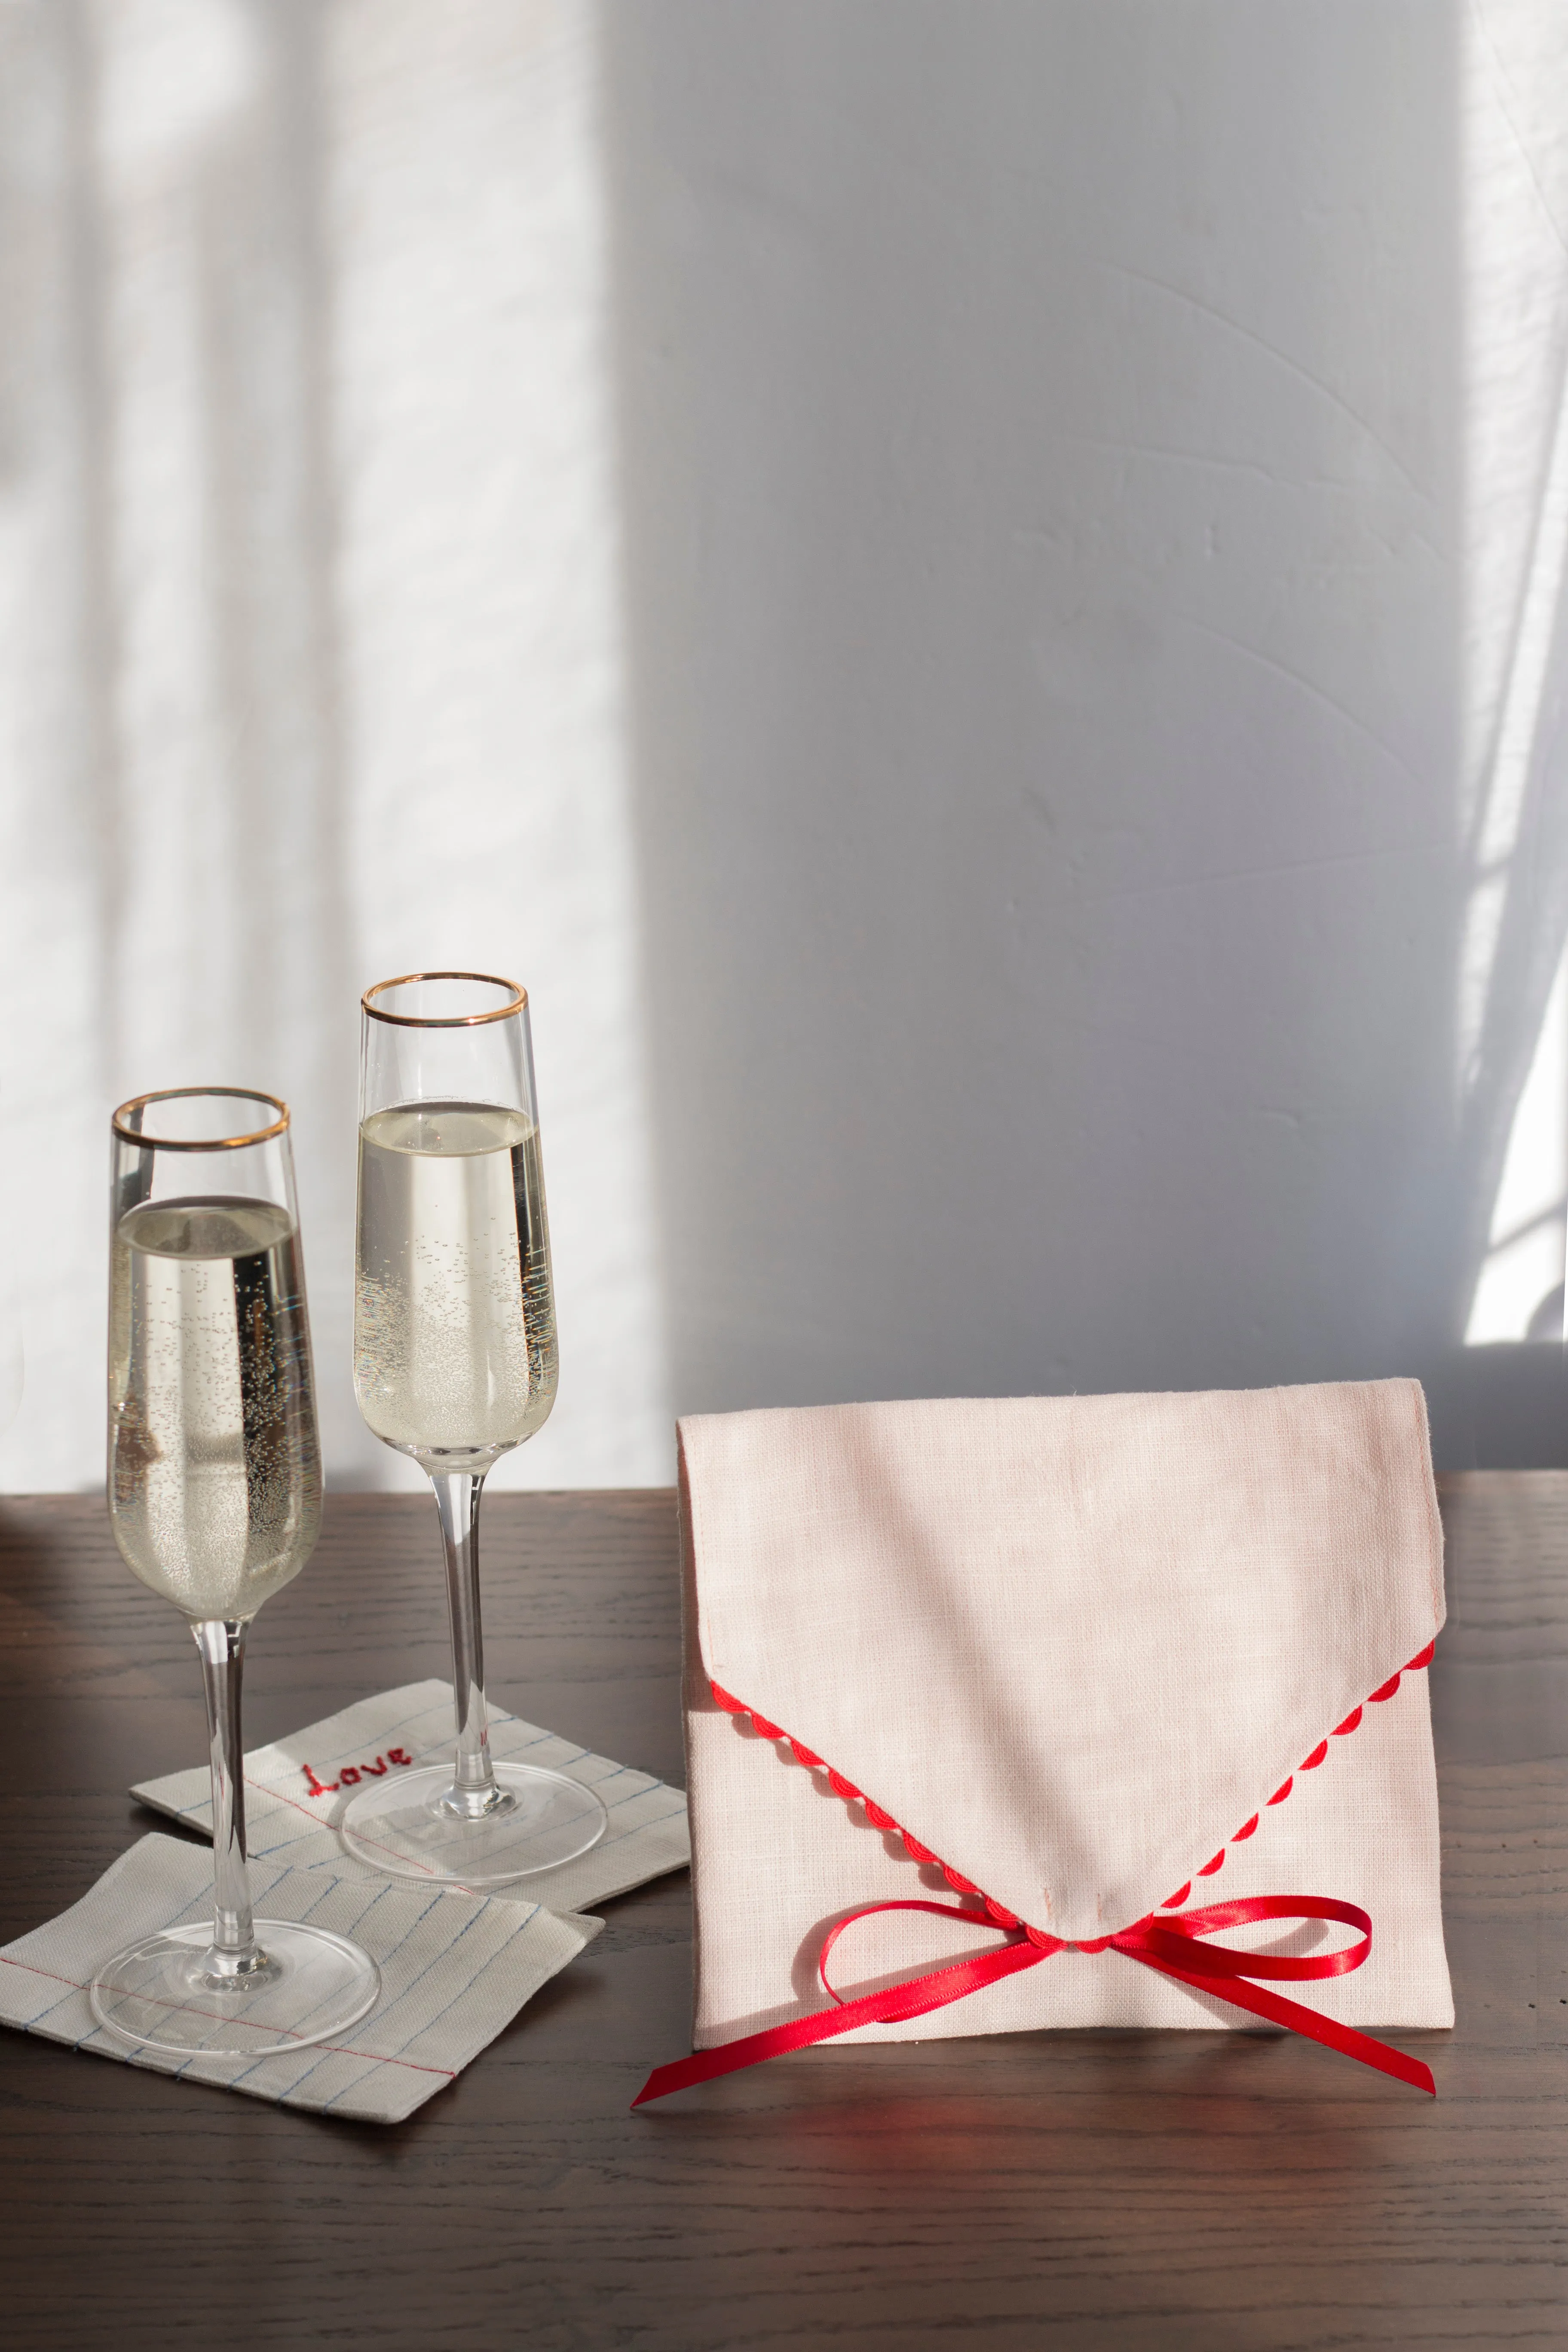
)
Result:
{"points": [[1308, 1764], [1003, 1917], [880, 1819]]}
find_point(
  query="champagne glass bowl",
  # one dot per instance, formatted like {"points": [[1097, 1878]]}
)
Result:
{"points": [[215, 1496], [455, 1364]]}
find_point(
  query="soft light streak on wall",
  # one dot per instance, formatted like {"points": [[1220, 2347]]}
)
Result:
{"points": [[487, 817], [1512, 1039], [1519, 1294], [309, 648]]}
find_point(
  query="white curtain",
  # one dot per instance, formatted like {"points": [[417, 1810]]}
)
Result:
{"points": [[310, 655]]}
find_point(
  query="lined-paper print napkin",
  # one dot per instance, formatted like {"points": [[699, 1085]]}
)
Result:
{"points": [[296, 1791], [455, 1969]]}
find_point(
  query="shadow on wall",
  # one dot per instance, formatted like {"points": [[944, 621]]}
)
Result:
{"points": [[174, 807], [310, 655], [1103, 862]]}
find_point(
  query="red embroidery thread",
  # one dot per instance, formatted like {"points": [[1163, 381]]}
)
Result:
{"points": [[350, 1773]]}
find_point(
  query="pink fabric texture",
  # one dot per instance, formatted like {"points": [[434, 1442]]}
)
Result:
{"points": [[1073, 1646]]}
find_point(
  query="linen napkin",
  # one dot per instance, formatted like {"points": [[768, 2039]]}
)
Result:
{"points": [[455, 1969], [1075, 1660], [296, 1791]]}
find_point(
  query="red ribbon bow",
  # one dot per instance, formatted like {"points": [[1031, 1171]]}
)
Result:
{"points": [[1176, 1947]]}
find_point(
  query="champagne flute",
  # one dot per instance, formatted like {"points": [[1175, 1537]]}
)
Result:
{"points": [[215, 1496], [455, 1365]]}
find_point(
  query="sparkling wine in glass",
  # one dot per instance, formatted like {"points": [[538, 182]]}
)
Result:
{"points": [[455, 1365], [215, 1496]]}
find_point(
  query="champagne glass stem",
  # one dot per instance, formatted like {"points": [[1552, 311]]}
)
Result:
{"points": [[458, 1501], [234, 1952]]}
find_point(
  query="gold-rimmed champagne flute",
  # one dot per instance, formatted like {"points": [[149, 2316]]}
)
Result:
{"points": [[215, 1496], [455, 1365]]}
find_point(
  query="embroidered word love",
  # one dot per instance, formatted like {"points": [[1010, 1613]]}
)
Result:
{"points": [[352, 1774]]}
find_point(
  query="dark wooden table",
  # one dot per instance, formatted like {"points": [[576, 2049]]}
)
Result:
{"points": [[1123, 2192]]}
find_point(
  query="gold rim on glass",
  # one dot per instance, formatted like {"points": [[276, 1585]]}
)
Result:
{"points": [[129, 1134], [445, 1020]]}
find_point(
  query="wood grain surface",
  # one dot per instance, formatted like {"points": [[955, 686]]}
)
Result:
{"points": [[1113, 2193]]}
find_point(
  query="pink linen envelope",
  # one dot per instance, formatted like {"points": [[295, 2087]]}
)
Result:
{"points": [[1096, 1656]]}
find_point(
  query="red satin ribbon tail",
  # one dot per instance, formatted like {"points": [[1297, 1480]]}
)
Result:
{"points": [[1177, 1947], [730, 2057], [1298, 2019], [890, 2007]]}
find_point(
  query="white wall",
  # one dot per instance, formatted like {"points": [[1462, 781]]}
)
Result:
{"points": [[1070, 678], [309, 639], [970, 591]]}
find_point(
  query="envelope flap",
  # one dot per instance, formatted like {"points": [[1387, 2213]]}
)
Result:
{"points": [[1071, 1644]]}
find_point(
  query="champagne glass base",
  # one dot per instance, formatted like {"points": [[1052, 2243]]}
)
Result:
{"points": [[160, 1994], [410, 1829]]}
